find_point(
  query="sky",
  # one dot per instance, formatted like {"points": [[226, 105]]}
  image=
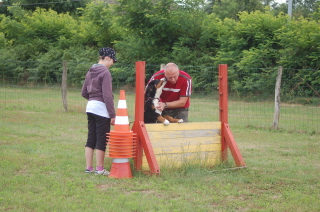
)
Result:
{"points": [[281, 1]]}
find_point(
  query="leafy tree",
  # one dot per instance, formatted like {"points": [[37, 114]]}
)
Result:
{"points": [[60, 6], [230, 8], [98, 25], [300, 56], [23, 28], [300, 8], [3, 8], [31, 35], [304, 8], [278, 9], [251, 43], [163, 24], [49, 25], [238, 33], [301, 44], [316, 14], [150, 23]]}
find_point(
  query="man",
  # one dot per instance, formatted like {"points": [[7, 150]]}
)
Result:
{"points": [[175, 97]]}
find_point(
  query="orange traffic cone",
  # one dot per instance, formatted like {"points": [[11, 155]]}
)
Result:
{"points": [[121, 142], [120, 168], [122, 120]]}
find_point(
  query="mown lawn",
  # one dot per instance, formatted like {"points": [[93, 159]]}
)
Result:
{"points": [[42, 169]]}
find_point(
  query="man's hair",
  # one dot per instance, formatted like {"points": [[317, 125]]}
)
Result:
{"points": [[171, 65]]}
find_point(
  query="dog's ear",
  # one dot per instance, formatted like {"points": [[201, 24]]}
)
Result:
{"points": [[158, 84], [148, 92]]}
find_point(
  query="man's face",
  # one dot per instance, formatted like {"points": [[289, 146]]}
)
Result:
{"points": [[172, 75]]}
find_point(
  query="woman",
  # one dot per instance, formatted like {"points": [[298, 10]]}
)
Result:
{"points": [[97, 88]]}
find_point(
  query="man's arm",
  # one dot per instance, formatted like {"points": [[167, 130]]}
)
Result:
{"points": [[175, 104]]}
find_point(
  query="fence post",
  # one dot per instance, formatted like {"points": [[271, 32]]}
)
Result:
{"points": [[277, 100], [64, 85]]}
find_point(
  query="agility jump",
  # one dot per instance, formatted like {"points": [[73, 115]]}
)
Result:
{"points": [[208, 140]]}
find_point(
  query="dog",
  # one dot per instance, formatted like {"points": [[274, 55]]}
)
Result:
{"points": [[151, 99]]}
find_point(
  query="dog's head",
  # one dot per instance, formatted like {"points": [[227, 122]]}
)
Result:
{"points": [[154, 88]]}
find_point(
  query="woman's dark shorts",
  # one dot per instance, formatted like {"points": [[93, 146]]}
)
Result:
{"points": [[98, 126]]}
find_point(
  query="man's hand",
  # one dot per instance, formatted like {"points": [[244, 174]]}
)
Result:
{"points": [[160, 106]]}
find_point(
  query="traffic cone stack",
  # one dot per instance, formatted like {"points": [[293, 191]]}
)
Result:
{"points": [[121, 142]]}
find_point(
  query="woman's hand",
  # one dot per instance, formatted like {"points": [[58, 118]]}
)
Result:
{"points": [[112, 121]]}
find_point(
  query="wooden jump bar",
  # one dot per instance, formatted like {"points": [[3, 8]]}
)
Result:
{"points": [[191, 143]]}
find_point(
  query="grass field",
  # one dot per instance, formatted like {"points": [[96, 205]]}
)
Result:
{"points": [[42, 165]]}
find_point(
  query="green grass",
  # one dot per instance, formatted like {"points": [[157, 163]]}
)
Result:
{"points": [[42, 166]]}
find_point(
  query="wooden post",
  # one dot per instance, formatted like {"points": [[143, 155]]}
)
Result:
{"points": [[227, 139], [223, 107], [277, 100], [143, 140], [64, 85], [139, 109]]}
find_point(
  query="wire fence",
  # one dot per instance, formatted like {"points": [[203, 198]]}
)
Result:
{"points": [[36, 86]]}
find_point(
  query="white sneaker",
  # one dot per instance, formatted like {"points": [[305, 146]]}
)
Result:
{"points": [[88, 171], [103, 172]]}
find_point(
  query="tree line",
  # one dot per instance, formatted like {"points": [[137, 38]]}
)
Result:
{"points": [[244, 34]]}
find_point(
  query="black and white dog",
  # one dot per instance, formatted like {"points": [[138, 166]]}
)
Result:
{"points": [[151, 98]]}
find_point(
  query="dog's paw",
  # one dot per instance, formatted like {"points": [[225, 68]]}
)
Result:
{"points": [[166, 122], [180, 121]]}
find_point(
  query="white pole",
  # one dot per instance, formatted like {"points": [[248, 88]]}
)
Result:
{"points": [[290, 8]]}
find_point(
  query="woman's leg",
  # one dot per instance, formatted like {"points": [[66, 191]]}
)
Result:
{"points": [[102, 128], [89, 156], [91, 140], [100, 157]]}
